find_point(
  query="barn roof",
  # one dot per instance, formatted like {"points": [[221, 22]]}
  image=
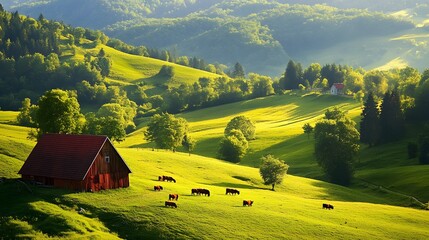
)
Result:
{"points": [[64, 156], [338, 85]]}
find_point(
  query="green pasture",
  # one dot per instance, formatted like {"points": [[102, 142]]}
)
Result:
{"points": [[132, 69], [293, 211], [278, 121]]}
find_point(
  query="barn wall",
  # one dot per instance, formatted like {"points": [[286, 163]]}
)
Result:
{"points": [[107, 175]]}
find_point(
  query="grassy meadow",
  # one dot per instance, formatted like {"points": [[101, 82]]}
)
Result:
{"points": [[293, 211]]}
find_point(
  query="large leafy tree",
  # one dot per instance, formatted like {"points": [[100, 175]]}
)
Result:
{"points": [[166, 131], [242, 123], [272, 170], [369, 125], [233, 146], [336, 146], [59, 112], [109, 120]]}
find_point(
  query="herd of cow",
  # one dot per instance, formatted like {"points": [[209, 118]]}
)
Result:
{"points": [[194, 191], [206, 192]]}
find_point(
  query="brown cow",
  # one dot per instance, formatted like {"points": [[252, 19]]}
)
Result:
{"points": [[247, 203], [157, 188], [327, 206], [232, 191], [173, 197], [170, 204], [166, 178]]}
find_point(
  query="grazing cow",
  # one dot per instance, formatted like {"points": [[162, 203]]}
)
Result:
{"points": [[205, 192], [169, 179], [157, 188], [170, 204], [327, 206], [200, 191], [173, 197], [166, 178], [247, 203], [232, 191]]}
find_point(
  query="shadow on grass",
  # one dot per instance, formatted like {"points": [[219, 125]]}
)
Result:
{"points": [[16, 199], [235, 185]]}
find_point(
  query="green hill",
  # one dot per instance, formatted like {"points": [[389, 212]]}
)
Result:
{"points": [[262, 35], [293, 211]]}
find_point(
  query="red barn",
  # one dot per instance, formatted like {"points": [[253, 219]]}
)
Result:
{"points": [[78, 162]]}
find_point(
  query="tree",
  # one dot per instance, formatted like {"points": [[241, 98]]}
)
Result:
{"points": [[233, 146], [27, 114], [262, 85], [242, 123], [392, 124], [59, 112], [166, 71], [189, 143], [292, 76], [238, 71], [336, 145], [375, 82], [110, 119], [166, 131], [312, 73], [369, 124], [272, 170], [308, 129]]}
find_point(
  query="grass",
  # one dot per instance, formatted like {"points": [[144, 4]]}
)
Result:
{"points": [[293, 210], [364, 211], [132, 69]]}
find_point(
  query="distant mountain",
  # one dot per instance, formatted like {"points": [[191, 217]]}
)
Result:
{"points": [[261, 35]]}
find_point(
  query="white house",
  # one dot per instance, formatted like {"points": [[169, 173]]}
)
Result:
{"points": [[337, 89]]}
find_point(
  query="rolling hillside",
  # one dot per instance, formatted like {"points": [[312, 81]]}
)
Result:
{"points": [[356, 33], [292, 211]]}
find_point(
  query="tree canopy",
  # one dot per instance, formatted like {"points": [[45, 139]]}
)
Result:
{"points": [[59, 112], [166, 131], [272, 170], [242, 123], [233, 146], [336, 146]]}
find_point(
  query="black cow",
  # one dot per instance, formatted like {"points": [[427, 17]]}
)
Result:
{"points": [[247, 203], [170, 204], [232, 191], [157, 188], [327, 206]]}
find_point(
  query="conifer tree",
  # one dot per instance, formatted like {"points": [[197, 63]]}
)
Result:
{"points": [[392, 124], [238, 71], [369, 124]]}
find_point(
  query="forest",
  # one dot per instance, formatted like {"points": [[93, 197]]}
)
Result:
{"points": [[358, 34]]}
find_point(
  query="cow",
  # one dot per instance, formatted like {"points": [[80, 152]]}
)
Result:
{"points": [[158, 188], [327, 206], [247, 203], [160, 178], [170, 204], [200, 191], [173, 197], [169, 179], [232, 191], [205, 192]]}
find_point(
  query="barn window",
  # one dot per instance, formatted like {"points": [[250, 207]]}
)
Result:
{"points": [[107, 159]]}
